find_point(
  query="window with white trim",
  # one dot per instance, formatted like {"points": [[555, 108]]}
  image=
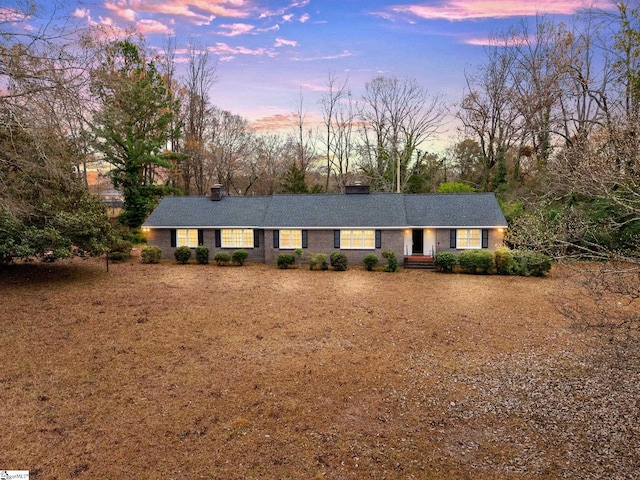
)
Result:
{"points": [[358, 239], [187, 236], [290, 239], [469, 238], [237, 238]]}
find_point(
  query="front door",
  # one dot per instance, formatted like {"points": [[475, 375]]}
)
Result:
{"points": [[418, 242]]}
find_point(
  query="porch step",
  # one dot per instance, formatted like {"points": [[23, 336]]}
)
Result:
{"points": [[419, 261]]}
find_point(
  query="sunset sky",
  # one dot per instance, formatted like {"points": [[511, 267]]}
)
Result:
{"points": [[273, 52]]}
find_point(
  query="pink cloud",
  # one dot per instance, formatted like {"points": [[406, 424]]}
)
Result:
{"points": [[284, 122], [314, 87], [228, 51], [475, 9], [11, 15], [281, 12], [81, 13], [281, 42], [492, 41], [234, 29], [126, 13], [201, 12], [343, 54], [274, 122], [152, 26], [304, 18]]}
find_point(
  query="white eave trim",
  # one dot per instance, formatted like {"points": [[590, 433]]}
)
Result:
{"points": [[350, 227]]}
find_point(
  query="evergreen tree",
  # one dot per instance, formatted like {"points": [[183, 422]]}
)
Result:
{"points": [[45, 209], [132, 126], [293, 181]]}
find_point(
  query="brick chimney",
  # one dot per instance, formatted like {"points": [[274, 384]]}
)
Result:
{"points": [[356, 188], [216, 192]]}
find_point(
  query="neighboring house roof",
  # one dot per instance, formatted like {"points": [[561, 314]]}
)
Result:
{"points": [[375, 210]]}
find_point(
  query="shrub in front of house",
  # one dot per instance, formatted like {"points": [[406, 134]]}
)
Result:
{"points": [[530, 263], [285, 260], [505, 263], [370, 261], [202, 255], [318, 262], [136, 236], [150, 255], [222, 258], [338, 261], [120, 251], [239, 257], [182, 254], [476, 262], [392, 262], [446, 262], [118, 256]]}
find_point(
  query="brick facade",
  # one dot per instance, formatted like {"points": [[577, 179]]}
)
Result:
{"points": [[318, 241]]}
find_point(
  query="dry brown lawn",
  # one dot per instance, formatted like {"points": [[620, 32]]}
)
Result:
{"points": [[182, 372]]}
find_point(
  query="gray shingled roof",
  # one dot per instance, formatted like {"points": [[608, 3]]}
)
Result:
{"points": [[203, 212], [454, 210], [378, 210], [336, 210]]}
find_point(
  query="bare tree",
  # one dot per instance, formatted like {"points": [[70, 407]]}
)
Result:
{"points": [[397, 117], [230, 143], [339, 115], [304, 138], [488, 113], [272, 154], [540, 64], [201, 74], [604, 298]]}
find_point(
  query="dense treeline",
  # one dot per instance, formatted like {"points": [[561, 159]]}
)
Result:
{"points": [[549, 121]]}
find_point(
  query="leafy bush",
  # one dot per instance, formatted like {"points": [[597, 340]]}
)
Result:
{"points": [[120, 250], [505, 263], [338, 261], [476, 261], [136, 236], [370, 261], [392, 261], [446, 262], [529, 263], [455, 187], [539, 264], [151, 255], [115, 256], [133, 235], [182, 254], [239, 257], [318, 261], [222, 258], [285, 260], [202, 255]]}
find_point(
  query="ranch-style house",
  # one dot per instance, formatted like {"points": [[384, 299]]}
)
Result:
{"points": [[356, 223]]}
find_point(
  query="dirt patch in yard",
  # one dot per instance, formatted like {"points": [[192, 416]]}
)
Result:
{"points": [[170, 371]]}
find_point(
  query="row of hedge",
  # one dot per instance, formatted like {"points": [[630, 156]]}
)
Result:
{"points": [[502, 262], [183, 255], [339, 261]]}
